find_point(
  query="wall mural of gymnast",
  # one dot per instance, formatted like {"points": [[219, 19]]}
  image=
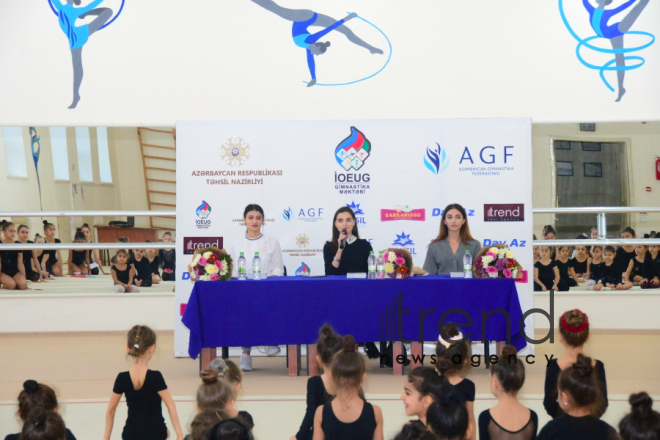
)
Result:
{"points": [[78, 36], [303, 19], [599, 19]]}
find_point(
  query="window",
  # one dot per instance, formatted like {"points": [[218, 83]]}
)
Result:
{"points": [[60, 153], [12, 137], [104, 154], [84, 148]]}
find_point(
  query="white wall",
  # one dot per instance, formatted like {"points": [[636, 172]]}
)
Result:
{"points": [[233, 60]]}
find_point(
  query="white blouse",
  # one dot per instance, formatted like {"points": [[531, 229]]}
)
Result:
{"points": [[269, 252]]}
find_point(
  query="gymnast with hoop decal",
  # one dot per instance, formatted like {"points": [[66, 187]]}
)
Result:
{"points": [[79, 35], [304, 18]]}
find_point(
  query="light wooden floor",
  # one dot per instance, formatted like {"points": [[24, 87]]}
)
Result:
{"points": [[82, 369]]}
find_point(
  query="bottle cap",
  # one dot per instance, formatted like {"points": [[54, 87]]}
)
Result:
{"points": [[467, 251], [256, 253], [241, 253], [371, 252]]}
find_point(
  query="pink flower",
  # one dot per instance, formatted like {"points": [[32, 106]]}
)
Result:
{"points": [[400, 261], [507, 273], [491, 254], [202, 261], [215, 277], [491, 269], [219, 264]]}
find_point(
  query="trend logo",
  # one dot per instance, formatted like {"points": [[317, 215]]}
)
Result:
{"points": [[403, 240], [599, 18], [287, 214], [235, 152], [303, 270], [353, 151], [356, 208], [203, 211], [436, 159]]}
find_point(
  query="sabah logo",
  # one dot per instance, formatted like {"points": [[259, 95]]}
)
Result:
{"points": [[302, 241], [436, 159], [403, 240], [204, 210], [287, 214], [353, 151], [356, 208], [235, 152], [303, 270]]}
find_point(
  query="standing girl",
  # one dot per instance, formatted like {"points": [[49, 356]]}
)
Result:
{"points": [[319, 388], [145, 389], [635, 271], [348, 417], [421, 389], [270, 254], [52, 260], [573, 334], [168, 259], [154, 263], [546, 273], [30, 259], [549, 233], [578, 392], [509, 418], [563, 265], [96, 262], [79, 260], [452, 348], [12, 269], [579, 267], [123, 273]]}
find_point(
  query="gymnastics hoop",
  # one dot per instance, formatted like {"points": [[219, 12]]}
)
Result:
{"points": [[366, 77], [121, 8], [584, 42]]}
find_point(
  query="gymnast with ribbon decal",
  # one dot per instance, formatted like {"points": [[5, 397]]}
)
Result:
{"points": [[599, 18], [304, 18], [78, 36]]}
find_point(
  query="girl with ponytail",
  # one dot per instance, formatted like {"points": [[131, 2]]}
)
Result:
{"points": [[509, 419], [642, 423], [578, 392], [145, 389], [43, 425], [573, 334], [348, 417], [448, 418]]}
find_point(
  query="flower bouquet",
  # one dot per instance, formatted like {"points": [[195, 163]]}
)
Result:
{"points": [[210, 264], [398, 263], [497, 262]]}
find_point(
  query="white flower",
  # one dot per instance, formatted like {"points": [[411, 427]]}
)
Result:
{"points": [[493, 250], [486, 260], [510, 255], [205, 278], [207, 254], [514, 272], [502, 253], [391, 256], [211, 268], [493, 275], [195, 259]]}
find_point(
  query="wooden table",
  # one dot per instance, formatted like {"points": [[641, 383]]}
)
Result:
{"points": [[110, 234]]}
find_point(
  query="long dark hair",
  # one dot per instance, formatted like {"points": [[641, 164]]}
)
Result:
{"points": [[444, 230], [335, 231], [254, 207]]}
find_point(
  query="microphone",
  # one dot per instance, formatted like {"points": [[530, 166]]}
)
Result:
{"points": [[342, 242]]}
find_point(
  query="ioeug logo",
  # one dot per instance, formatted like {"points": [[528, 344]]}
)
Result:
{"points": [[351, 153], [405, 241], [203, 211], [303, 270], [359, 213], [436, 159]]}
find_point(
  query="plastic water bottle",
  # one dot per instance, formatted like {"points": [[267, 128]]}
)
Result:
{"points": [[242, 264], [380, 266], [256, 267], [467, 265], [371, 266]]}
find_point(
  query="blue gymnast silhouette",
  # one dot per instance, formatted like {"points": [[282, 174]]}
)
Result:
{"points": [[304, 18]]}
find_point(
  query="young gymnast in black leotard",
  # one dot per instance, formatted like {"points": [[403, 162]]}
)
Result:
{"points": [[52, 260], [79, 260], [30, 259], [11, 267], [95, 260]]}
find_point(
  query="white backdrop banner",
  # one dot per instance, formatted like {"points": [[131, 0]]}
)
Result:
{"points": [[398, 180]]}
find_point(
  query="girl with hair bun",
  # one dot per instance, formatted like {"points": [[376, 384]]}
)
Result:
{"points": [[642, 423], [319, 388], [43, 425], [421, 389], [37, 395], [573, 334], [509, 419], [415, 430], [145, 391], [347, 416], [52, 259], [448, 418], [453, 362], [12, 270], [578, 392]]}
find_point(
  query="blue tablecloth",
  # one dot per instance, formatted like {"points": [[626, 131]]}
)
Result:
{"points": [[290, 310]]}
